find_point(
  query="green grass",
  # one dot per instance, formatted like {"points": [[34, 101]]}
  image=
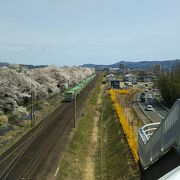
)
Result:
{"points": [[116, 161], [72, 164], [74, 159]]}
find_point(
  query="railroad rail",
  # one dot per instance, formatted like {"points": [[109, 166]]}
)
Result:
{"points": [[24, 159]]}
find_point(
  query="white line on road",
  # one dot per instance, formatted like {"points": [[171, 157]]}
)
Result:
{"points": [[56, 172], [161, 116]]}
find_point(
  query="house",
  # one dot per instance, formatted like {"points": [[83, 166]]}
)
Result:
{"points": [[114, 70], [147, 79], [129, 78], [115, 84], [110, 77]]}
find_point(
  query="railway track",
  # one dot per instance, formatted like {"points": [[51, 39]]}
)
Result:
{"points": [[10, 160], [24, 159]]}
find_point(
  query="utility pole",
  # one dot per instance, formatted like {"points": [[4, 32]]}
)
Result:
{"points": [[68, 84], [32, 108], [75, 110]]}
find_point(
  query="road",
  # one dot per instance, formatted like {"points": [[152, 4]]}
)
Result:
{"points": [[169, 160], [158, 113]]}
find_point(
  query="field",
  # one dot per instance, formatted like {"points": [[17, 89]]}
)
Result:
{"points": [[98, 148]]}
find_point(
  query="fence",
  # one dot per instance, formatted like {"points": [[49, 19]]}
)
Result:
{"points": [[154, 140]]}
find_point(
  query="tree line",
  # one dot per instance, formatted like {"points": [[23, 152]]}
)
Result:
{"points": [[169, 84]]}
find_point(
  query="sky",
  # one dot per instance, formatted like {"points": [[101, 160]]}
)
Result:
{"points": [[75, 32]]}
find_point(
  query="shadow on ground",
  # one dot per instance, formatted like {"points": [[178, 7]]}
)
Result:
{"points": [[165, 164]]}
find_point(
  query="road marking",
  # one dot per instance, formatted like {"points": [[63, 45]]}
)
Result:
{"points": [[56, 171], [161, 116]]}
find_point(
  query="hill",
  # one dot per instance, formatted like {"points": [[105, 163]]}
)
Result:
{"points": [[3, 64], [136, 65]]}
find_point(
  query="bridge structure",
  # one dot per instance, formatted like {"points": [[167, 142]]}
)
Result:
{"points": [[156, 139]]}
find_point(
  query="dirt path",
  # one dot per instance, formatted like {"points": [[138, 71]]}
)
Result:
{"points": [[90, 160]]}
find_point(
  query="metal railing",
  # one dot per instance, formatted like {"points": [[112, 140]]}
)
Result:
{"points": [[157, 138]]}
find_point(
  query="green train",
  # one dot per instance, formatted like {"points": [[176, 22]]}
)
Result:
{"points": [[70, 94]]}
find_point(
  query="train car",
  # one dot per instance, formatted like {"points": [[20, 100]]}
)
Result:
{"points": [[70, 94]]}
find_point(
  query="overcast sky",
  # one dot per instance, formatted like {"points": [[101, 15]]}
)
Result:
{"points": [[74, 32]]}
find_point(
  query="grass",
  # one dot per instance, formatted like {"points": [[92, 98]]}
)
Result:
{"points": [[116, 161], [136, 116], [12, 136], [74, 159], [112, 158]]}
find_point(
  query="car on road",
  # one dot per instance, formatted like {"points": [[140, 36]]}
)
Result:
{"points": [[128, 83], [149, 96], [143, 99], [134, 83], [142, 95], [149, 108], [155, 89]]}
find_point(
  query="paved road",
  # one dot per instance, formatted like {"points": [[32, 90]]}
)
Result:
{"points": [[158, 113], [139, 111], [171, 159]]}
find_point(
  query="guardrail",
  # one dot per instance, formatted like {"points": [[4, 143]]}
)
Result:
{"points": [[156, 139]]}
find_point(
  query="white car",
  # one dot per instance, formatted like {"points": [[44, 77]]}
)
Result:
{"points": [[149, 108], [149, 96]]}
